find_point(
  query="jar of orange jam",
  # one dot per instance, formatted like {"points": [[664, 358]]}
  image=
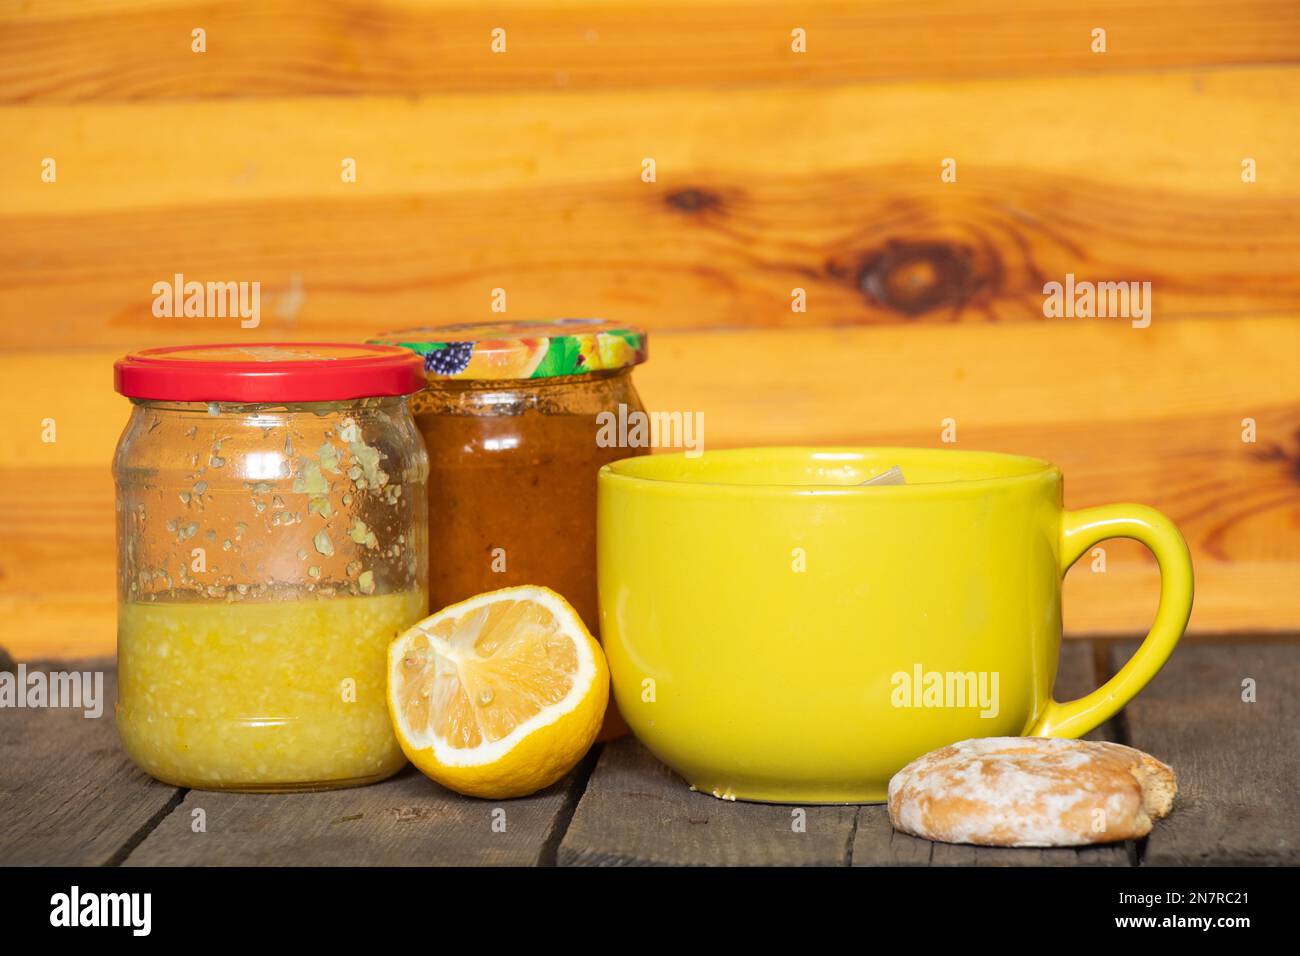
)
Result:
{"points": [[518, 417], [271, 536]]}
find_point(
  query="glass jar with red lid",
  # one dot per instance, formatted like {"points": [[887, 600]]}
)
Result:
{"points": [[271, 533], [516, 417]]}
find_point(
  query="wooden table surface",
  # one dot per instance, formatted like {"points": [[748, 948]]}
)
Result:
{"points": [[68, 795]]}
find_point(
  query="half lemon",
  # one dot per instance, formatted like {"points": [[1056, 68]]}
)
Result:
{"points": [[498, 696]]}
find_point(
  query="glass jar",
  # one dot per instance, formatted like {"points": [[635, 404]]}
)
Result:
{"points": [[271, 532], [518, 418]]}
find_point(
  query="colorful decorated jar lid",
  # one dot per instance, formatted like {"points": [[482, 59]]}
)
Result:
{"points": [[494, 351]]}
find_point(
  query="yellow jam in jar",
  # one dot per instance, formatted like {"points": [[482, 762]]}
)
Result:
{"points": [[281, 695], [272, 533]]}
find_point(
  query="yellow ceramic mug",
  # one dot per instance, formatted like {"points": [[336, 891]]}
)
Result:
{"points": [[777, 632]]}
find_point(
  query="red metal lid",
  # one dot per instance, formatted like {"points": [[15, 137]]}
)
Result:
{"points": [[277, 372]]}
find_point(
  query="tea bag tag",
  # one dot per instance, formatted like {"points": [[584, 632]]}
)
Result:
{"points": [[892, 477]]}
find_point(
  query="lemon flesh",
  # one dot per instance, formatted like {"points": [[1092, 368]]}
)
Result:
{"points": [[498, 696]]}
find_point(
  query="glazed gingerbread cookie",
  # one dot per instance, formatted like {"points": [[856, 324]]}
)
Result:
{"points": [[1031, 791]]}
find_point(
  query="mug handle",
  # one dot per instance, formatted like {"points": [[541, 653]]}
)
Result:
{"points": [[1080, 530]]}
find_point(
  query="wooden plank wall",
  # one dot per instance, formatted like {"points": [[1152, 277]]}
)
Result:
{"points": [[775, 170]]}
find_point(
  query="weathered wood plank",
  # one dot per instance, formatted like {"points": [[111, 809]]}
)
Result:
{"points": [[948, 854], [68, 794], [1237, 762], [91, 50], [876, 843], [405, 821], [637, 812]]}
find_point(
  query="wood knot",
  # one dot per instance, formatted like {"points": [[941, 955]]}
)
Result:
{"points": [[693, 200], [1267, 452], [916, 277]]}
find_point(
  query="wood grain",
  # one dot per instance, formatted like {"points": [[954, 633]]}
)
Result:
{"points": [[1121, 424], [59, 623], [876, 843], [161, 155], [708, 254], [637, 812], [1236, 762], [758, 193], [1184, 386], [478, 172], [91, 51], [68, 794], [405, 821]]}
